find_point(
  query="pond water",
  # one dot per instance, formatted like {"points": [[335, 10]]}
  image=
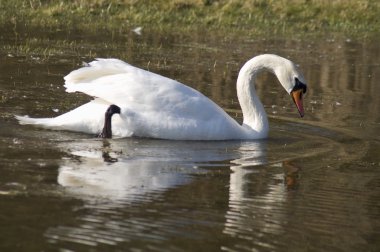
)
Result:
{"points": [[313, 185]]}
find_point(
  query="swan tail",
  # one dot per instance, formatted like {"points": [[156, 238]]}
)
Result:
{"points": [[94, 70], [88, 118], [42, 122], [56, 123]]}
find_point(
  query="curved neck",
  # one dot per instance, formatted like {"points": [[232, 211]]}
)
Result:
{"points": [[253, 110]]}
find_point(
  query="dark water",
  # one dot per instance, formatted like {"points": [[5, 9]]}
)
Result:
{"points": [[313, 185]]}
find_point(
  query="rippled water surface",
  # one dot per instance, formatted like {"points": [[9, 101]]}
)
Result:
{"points": [[313, 185]]}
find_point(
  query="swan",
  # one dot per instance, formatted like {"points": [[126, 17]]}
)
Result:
{"points": [[144, 104]]}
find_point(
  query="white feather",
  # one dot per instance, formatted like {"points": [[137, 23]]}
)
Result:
{"points": [[159, 107]]}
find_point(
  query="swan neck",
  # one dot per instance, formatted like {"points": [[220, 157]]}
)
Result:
{"points": [[254, 115]]}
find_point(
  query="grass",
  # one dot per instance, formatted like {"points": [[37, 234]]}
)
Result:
{"points": [[255, 16]]}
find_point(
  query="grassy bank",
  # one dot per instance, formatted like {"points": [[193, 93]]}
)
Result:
{"points": [[256, 16]]}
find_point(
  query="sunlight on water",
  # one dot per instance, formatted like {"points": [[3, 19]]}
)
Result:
{"points": [[113, 177], [312, 185]]}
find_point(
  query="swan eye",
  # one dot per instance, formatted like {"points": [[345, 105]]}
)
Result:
{"points": [[299, 85]]}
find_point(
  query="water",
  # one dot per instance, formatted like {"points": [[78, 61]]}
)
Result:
{"points": [[313, 185]]}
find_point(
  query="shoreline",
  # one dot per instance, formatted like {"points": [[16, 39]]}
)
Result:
{"points": [[353, 18]]}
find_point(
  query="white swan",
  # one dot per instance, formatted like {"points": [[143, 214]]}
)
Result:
{"points": [[150, 105]]}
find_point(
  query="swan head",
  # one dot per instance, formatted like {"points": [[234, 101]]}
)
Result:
{"points": [[297, 94], [293, 82]]}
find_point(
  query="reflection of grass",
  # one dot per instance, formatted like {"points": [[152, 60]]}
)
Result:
{"points": [[256, 16], [41, 49]]}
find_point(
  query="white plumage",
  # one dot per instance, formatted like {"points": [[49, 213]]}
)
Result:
{"points": [[158, 107]]}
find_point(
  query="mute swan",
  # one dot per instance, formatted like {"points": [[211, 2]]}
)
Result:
{"points": [[150, 105]]}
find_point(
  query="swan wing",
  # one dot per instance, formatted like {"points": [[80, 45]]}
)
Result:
{"points": [[152, 105], [121, 84]]}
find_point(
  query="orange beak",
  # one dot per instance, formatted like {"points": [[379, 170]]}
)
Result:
{"points": [[297, 98]]}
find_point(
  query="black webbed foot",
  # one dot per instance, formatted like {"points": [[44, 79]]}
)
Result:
{"points": [[107, 129]]}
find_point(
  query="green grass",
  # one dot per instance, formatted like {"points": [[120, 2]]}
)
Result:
{"points": [[255, 16]]}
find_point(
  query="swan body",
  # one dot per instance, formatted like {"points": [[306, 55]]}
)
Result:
{"points": [[158, 107]]}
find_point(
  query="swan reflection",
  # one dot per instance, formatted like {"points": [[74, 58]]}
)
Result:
{"points": [[110, 176], [250, 211], [132, 169]]}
